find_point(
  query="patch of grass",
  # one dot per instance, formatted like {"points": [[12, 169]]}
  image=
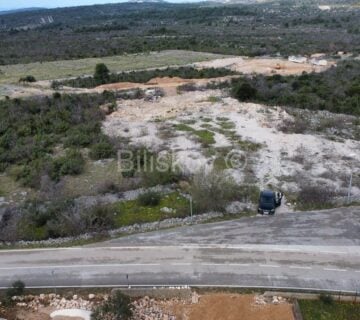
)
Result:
{"points": [[235, 138], [131, 212], [222, 119], [249, 145], [183, 127], [189, 121], [72, 68], [320, 310], [12, 189], [149, 199], [205, 137], [227, 125], [207, 126], [95, 174], [214, 99], [206, 119], [220, 164]]}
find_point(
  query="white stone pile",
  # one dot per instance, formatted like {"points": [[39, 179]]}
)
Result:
{"points": [[261, 300], [149, 309], [53, 300]]}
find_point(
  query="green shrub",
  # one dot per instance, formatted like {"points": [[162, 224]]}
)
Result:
{"points": [[27, 79], [71, 164], [99, 218], [107, 187], [213, 191], [102, 76], [17, 289], [31, 128], [149, 199], [244, 91], [206, 137], [118, 307], [336, 89], [326, 298], [313, 197], [102, 73], [79, 138], [102, 150]]}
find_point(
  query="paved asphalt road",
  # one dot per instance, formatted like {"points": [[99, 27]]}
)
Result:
{"points": [[315, 250]]}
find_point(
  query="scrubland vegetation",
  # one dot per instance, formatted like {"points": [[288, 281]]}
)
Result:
{"points": [[56, 158], [105, 77], [336, 90], [43, 136], [253, 30], [327, 309]]}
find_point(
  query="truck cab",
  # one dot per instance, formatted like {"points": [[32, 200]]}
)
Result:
{"points": [[269, 201]]}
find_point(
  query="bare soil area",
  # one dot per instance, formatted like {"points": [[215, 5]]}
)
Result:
{"points": [[232, 307], [263, 65], [210, 306], [243, 65], [168, 84]]}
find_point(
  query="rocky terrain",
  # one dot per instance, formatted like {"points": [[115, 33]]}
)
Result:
{"points": [[64, 307], [323, 152]]}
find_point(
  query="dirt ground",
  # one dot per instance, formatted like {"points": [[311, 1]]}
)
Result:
{"points": [[210, 306], [239, 64], [167, 84], [232, 307], [263, 65]]}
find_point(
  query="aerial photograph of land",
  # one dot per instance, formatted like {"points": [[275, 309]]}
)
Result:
{"points": [[180, 160]]}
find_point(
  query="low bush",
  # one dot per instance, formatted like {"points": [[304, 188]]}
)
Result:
{"points": [[17, 289], [102, 76], [149, 199], [27, 79], [326, 298], [70, 164], [315, 197], [187, 87], [102, 150], [107, 187], [31, 129], [118, 307], [168, 174], [213, 191], [99, 218], [336, 89], [244, 91]]}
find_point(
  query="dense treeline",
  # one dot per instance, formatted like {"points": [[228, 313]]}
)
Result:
{"points": [[144, 76], [335, 90], [31, 130], [115, 29]]}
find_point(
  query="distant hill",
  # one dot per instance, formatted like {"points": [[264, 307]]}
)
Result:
{"points": [[297, 2], [147, 1], [20, 10]]}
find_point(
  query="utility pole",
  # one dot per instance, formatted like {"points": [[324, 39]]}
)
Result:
{"points": [[350, 187]]}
